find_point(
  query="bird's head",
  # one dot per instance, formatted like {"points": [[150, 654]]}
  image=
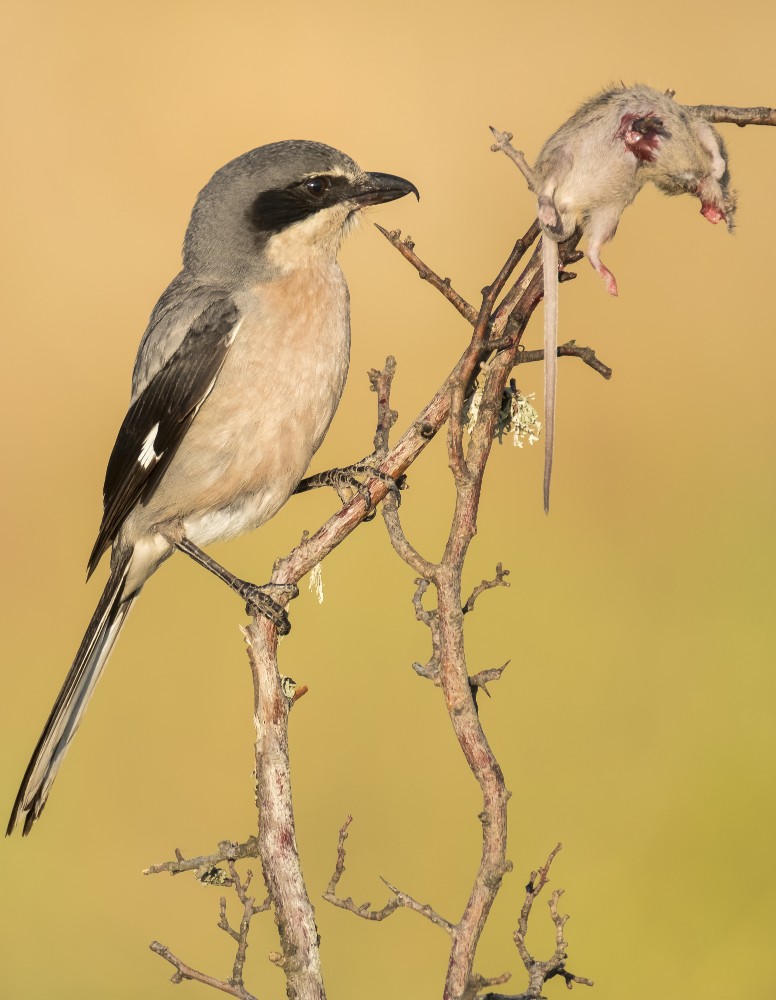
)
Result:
{"points": [[279, 207]]}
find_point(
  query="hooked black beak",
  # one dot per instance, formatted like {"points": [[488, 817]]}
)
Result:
{"points": [[374, 189]]}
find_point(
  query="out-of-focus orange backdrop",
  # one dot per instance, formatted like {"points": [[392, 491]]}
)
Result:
{"points": [[635, 722]]}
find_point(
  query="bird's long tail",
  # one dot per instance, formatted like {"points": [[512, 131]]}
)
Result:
{"points": [[72, 700], [550, 265]]}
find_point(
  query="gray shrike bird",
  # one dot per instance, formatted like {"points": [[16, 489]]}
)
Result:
{"points": [[235, 384]]}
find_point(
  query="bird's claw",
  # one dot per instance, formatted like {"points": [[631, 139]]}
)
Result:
{"points": [[259, 601], [345, 483]]}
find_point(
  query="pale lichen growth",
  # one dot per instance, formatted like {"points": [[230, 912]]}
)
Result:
{"points": [[288, 687], [517, 415], [316, 582], [213, 875], [523, 419]]}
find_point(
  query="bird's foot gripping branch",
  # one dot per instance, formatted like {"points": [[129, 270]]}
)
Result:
{"points": [[354, 479]]}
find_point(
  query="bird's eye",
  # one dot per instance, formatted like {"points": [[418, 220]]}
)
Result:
{"points": [[317, 186]]}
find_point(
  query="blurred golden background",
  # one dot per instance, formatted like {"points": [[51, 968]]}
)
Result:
{"points": [[635, 722]]}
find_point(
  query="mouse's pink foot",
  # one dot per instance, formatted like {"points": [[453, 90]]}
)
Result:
{"points": [[712, 213], [606, 274]]}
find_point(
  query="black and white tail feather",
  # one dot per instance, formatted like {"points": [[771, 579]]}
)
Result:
{"points": [[103, 630]]}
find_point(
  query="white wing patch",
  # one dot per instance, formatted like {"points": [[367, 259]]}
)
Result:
{"points": [[231, 335], [148, 456]]}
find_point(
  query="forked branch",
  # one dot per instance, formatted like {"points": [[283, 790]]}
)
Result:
{"points": [[364, 910], [210, 874], [541, 972]]}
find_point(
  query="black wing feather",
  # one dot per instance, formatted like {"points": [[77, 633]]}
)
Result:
{"points": [[170, 400]]}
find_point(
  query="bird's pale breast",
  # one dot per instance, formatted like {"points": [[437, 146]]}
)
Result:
{"points": [[269, 409]]}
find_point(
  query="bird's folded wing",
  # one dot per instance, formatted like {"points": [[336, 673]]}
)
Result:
{"points": [[159, 417]]}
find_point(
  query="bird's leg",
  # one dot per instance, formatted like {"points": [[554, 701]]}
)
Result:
{"points": [[345, 482], [257, 598]]}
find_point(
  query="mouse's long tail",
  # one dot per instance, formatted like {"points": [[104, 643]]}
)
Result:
{"points": [[550, 265]]}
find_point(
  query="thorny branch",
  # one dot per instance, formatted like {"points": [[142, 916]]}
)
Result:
{"points": [[482, 678], [496, 338]]}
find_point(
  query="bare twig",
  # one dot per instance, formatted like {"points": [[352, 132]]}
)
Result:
{"points": [[407, 249], [402, 899], [429, 671], [503, 144], [330, 895], [380, 382], [568, 350], [429, 618], [722, 114], [422, 908], [540, 972], [250, 909], [339, 868], [403, 548], [183, 971], [223, 921], [227, 851], [536, 883], [497, 581]]}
